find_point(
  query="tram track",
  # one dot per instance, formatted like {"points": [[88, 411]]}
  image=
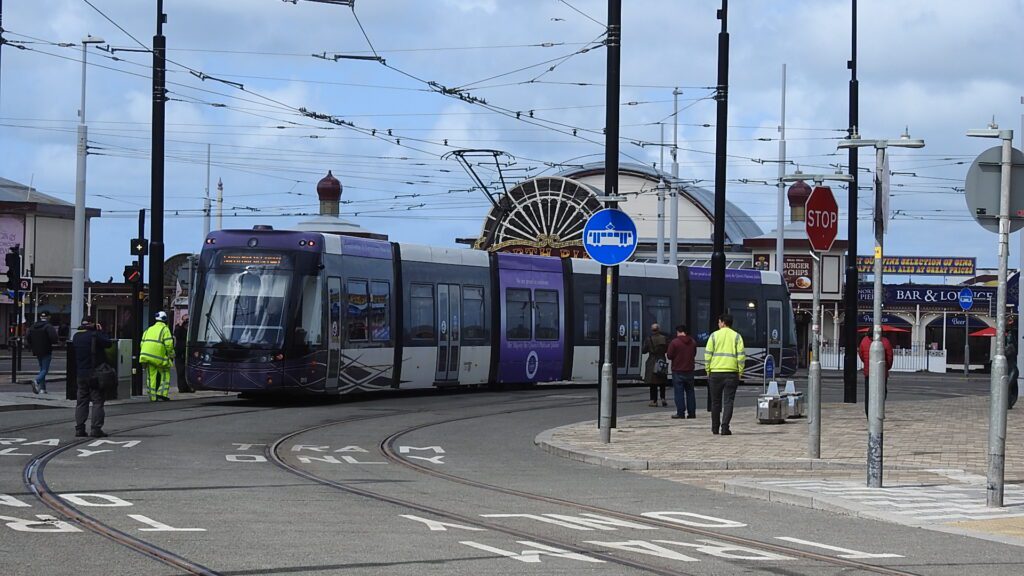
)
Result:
{"points": [[34, 479], [387, 448]]}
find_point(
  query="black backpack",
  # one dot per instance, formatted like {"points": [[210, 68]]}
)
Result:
{"points": [[39, 339]]}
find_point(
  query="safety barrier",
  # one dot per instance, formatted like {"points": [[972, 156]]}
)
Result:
{"points": [[915, 359]]}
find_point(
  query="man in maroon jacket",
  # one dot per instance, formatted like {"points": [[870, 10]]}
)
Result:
{"points": [[681, 351], [864, 351]]}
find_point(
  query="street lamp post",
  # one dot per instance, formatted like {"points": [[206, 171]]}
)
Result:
{"points": [[80, 256], [876, 359], [999, 384]]}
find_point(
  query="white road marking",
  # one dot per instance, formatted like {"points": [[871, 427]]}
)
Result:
{"points": [[533, 555], [436, 526], [88, 499], [846, 552], [155, 526]]}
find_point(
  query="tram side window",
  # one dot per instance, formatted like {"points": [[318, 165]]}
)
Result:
{"points": [[518, 314], [310, 328], [744, 319], [473, 314], [356, 311], [380, 311], [659, 311], [591, 317], [421, 309], [701, 330], [547, 314]]}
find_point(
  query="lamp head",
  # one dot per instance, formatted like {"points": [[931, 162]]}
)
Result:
{"points": [[93, 40]]}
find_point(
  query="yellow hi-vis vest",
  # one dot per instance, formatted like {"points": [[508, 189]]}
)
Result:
{"points": [[724, 352], [157, 345]]}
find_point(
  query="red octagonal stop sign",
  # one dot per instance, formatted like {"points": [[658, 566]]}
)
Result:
{"points": [[822, 219]]}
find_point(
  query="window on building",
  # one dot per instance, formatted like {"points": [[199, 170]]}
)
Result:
{"points": [[421, 310], [547, 314], [518, 314]]}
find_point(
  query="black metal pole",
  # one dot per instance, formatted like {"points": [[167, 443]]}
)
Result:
{"points": [[138, 313], [721, 133], [156, 227], [1, 43], [610, 274], [850, 298]]}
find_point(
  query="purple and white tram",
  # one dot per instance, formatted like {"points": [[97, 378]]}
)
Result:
{"points": [[326, 314]]}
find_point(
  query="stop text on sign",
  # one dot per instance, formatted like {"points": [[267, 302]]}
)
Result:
{"points": [[821, 219]]}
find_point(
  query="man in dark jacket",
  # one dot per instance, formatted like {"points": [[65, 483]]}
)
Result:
{"points": [[42, 337], [90, 344], [180, 336], [682, 351]]}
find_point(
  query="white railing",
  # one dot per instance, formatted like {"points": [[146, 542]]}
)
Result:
{"points": [[916, 359]]}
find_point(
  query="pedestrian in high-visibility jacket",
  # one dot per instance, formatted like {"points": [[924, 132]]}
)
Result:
{"points": [[157, 355], [724, 359]]}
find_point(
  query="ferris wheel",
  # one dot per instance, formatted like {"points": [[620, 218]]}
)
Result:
{"points": [[548, 211]]}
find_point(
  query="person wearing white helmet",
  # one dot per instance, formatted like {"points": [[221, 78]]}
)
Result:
{"points": [[156, 355]]}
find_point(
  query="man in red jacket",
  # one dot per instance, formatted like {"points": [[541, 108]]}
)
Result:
{"points": [[681, 351], [864, 351]]}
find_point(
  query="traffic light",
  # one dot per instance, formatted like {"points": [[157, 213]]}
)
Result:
{"points": [[13, 260], [132, 274], [139, 247]]}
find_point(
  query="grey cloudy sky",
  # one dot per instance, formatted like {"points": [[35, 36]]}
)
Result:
{"points": [[939, 66]]}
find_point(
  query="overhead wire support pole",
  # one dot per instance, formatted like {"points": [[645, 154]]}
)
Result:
{"points": [[206, 199], [660, 253], [610, 274], [722, 96], [156, 226], [673, 249], [877, 365], [850, 295], [780, 214]]}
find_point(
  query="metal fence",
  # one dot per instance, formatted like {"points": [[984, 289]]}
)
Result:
{"points": [[914, 359]]}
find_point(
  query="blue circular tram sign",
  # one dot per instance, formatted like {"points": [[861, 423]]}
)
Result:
{"points": [[610, 237], [966, 298]]}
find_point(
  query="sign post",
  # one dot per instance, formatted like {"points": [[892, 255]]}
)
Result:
{"points": [[609, 237], [966, 300], [981, 184], [822, 226]]}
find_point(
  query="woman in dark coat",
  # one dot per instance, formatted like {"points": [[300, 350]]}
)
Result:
{"points": [[655, 347]]}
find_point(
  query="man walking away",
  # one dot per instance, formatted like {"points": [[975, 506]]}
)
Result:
{"points": [[90, 345], [724, 358], [682, 351], [864, 351], [180, 336], [656, 367], [156, 354], [42, 337]]}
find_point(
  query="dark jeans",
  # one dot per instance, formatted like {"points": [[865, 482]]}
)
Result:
{"points": [[722, 387], [89, 391], [867, 390], [44, 368], [655, 390], [683, 393]]}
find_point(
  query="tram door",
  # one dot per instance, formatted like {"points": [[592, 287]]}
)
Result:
{"points": [[334, 337], [449, 298], [776, 332], [630, 335]]}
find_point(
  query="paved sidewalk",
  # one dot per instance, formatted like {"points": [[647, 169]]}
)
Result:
{"points": [[935, 461]]}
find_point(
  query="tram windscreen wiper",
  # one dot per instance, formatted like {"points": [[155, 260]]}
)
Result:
{"points": [[211, 323]]}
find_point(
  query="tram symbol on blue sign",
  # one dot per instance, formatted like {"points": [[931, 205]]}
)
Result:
{"points": [[966, 299], [610, 237], [769, 367]]}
